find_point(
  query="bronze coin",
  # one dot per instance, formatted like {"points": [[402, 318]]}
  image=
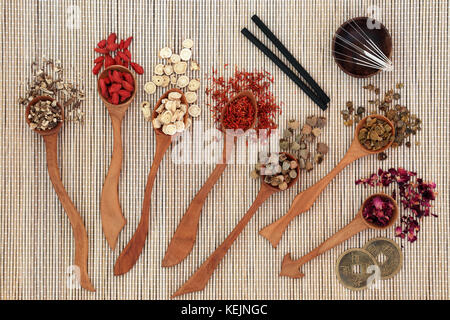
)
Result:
{"points": [[351, 268], [388, 256]]}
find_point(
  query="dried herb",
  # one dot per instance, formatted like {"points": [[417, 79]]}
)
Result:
{"points": [[415, 195], [44, 115], [303, 141], [239, 114], [48, 80], [375, 134], [378, 210], [277, 169], [258, 82], [405, 123]]}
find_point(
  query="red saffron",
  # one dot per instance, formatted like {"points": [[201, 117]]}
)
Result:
{"points": [[239, 114], [258, 82]]}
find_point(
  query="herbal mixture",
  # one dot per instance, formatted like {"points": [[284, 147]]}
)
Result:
{"points": [[277, 169], [415, 195]]}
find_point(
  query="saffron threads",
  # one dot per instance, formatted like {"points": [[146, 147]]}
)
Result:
{"points": [[415, 197], [258, 82], [239, 114], [378, 210]]}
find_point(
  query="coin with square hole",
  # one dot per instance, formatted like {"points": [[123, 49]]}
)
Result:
{"points": [[388, 256], [351, 268]]}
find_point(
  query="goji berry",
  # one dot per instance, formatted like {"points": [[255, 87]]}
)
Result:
{"points": [[115, 98], [115, 87], [129, 78], [112, 47], [99, 59], [102, 44], [137, 68], [122, 56], [121, 44], [108, 61], [117, 60], [111, 38], [127, 43], [124, 93], [116, 76], [97, 68], [127, 86], [101, 50], [128, 53]]}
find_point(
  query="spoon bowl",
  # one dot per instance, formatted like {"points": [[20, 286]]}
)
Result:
{"points": [[391, 221], [123, 106], [54, 130], [158, 104], [289, 157], [360, 125], [240, 132]]}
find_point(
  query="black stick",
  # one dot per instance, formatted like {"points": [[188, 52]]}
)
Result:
{"points": [[284, 68], [280, 46]]}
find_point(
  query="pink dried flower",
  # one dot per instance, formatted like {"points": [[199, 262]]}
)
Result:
{"points": [[414, 196]]}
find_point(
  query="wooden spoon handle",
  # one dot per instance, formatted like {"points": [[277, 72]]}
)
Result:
{"points": [[184, 238], [112, 217], [79, 231], [304, 200], [201, 277], [290, 268], [133, 250]]}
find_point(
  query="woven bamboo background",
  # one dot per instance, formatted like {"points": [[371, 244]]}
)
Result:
{"points": [[36, 244]]}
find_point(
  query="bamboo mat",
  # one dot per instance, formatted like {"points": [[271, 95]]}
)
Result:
{"points": [[36, 244]]}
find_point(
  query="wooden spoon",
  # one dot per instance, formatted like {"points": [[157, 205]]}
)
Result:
{"points": [[133, 250], [290, 268], [79, 231], [201, 277], [184, 238], [112, 217], [304, 200]]}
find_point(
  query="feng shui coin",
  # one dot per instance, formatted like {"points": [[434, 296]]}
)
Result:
{"points": [[352, 268], [388, 256]]}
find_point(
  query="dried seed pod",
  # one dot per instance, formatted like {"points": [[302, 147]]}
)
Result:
{"points": [[188, 43]]}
